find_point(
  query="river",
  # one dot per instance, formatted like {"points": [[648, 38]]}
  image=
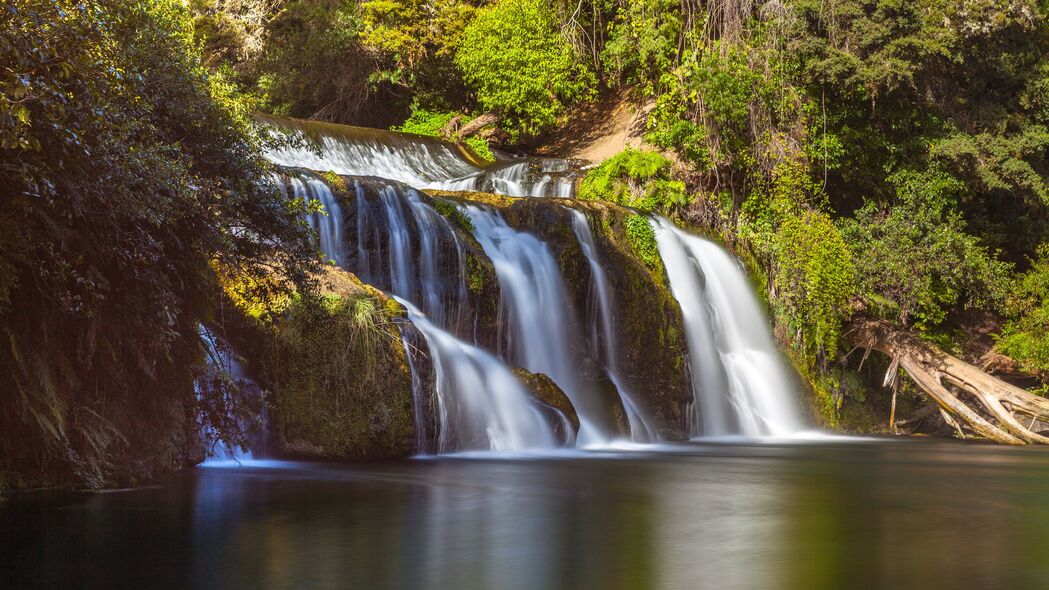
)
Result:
{"points": [[813, 514]]}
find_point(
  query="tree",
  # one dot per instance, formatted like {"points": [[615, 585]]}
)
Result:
{"points": [[516, 60], [127, 169]]}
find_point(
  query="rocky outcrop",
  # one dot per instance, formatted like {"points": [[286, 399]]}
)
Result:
{"points": [[335, 371]]}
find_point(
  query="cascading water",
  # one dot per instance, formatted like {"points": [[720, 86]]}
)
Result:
{"points": [[407, 248], [225, 414], [418, 161], [640, 429], [534, 295], [481, 404], [739, 382], [328, 222], [398, 242]]}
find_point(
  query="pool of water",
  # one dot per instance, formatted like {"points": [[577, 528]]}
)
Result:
{"points": [[826, 514]]}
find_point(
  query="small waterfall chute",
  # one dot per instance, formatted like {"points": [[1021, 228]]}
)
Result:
{"points": [[739, 381], [604, 331], [481, 404], [540, 327]]}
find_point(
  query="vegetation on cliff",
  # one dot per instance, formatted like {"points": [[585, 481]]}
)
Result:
{"points": [[127, 167]]}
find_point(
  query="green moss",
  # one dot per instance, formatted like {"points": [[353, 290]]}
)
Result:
{"points": [[634, 178], [452, 212], [642, 240], [335, 182]]}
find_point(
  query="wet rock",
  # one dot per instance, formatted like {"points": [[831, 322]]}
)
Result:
{"points": [[551, 398]]}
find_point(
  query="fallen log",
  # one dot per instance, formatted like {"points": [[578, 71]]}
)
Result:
{"points": [[972, 401], [489, 118]]}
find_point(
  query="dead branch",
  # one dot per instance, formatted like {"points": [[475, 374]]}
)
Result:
{"points": [[971, 400]]}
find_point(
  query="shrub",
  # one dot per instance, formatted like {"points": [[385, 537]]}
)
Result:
{"points": [[1025, 337], [516, 60], [917, 254], [815, 278], [423, 122], [634, 178]]}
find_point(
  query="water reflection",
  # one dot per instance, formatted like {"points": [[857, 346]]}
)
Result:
{"points": [[890, 515]]}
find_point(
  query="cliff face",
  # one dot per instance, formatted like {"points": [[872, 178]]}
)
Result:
{"points": [[336, 373]]}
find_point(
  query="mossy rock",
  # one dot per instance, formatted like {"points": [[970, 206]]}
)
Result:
{"points": [[550, 396], [337, 375]]}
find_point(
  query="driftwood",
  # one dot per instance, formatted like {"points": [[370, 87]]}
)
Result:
{"points": [[972, 401]]}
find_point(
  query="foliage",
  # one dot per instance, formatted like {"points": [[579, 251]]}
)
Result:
{"points": [[454, 213], [642, 240], [516, 60], [634, 178], [815, 278], [1025, 337], [642, 41], [422, 122], [959, 85], [128, 168], [313, 64], [414, 42], [918, 255]]}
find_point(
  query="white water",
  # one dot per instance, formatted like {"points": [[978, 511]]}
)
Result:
{"points": [[480, 403], [534, 296], [328, 222], [418, 161], [220, 358], [740, 384], [640, 430], [423, 260]]}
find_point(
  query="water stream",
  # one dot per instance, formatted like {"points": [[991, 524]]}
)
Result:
{"points": [[739, 381], [415, 160], [605, 337], [393, 238]]}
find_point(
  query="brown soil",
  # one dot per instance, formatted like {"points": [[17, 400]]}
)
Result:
{"points": [[599, 129]]}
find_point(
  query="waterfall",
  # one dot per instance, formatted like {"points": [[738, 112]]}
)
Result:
{"points": [[481, 404], [415, 160], [407, 248], [533, 294], [740, 384], [327, 222], [640, 429], [393, 238], [236, 392]]}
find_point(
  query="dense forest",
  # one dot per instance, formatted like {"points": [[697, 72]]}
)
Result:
{"points": [[885, 160]]}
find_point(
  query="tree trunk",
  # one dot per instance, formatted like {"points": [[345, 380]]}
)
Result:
{"points": [[477, 124], [973, 401]]}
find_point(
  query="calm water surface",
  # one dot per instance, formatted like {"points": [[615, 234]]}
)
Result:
{"points": [[890, 514]]}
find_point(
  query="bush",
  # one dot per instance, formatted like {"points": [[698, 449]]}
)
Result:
{"points": [[634, 178], [917, 255], [516, 60], [642, 240], [1025, 337], [815, 278]]}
